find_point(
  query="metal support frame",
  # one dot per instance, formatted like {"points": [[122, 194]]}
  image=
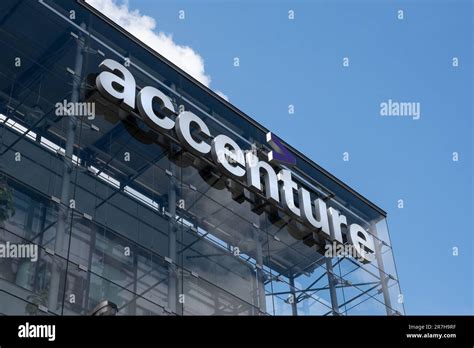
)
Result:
{"points": [[384, 278], [67, 171]]}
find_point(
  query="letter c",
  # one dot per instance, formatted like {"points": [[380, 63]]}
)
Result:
{"points": [[183, 131], [145, 100]]}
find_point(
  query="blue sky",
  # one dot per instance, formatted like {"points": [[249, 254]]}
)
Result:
{"points": [[337, 110]]}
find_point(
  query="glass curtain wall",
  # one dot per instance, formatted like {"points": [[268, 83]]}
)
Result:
{"points": [[123, 213]]}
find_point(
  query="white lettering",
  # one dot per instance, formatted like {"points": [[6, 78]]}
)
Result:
{"points": [[117, 84], [37, 331]]}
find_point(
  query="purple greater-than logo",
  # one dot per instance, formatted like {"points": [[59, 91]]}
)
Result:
{"points": [[280, 153]]}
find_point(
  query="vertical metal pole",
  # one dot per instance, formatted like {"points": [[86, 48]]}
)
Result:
{"points": [[254, 281], [294, 308], [259, 272], [63, 211], [383, 277], [172, 269], [332, 286]]}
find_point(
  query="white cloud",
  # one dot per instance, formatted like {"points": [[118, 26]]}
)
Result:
{"points": [[222, 95], [143, 27]]}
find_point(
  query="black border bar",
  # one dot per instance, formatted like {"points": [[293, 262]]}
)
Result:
{"points": [[291, 331]]}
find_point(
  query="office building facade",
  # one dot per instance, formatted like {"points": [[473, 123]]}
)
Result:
{"points": [[135, 184]]}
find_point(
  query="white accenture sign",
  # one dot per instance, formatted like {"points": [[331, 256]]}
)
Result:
{"points": [[117, 84]]}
